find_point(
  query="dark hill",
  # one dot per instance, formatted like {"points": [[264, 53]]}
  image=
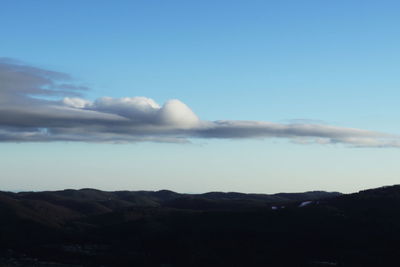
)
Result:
{"points": [[90, 227]]}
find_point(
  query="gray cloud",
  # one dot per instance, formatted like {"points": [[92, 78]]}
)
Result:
{"points": [[19, 81], [31, 111]]}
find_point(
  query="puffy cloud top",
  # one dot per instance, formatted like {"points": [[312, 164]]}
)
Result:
{"points": [[173, 114], [176, 114], [75, 102]]}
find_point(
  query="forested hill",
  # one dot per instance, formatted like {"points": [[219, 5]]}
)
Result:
{"points": [[90, 227]]}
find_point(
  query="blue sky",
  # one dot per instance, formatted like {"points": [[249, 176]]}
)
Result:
{"points": [[324, 62]]}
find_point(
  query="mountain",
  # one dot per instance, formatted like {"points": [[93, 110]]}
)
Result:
{"points": [[90, 227]]}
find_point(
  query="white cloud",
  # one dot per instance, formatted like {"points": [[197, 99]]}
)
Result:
{"points": [[76, 102], [174, 113]]}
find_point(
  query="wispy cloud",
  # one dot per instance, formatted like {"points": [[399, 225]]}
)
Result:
{"points": [[27, 114]]}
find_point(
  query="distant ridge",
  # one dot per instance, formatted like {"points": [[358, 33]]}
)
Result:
{"points": [[96, 201], [90, 227]]}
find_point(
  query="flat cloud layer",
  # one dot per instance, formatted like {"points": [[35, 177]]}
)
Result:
{"points": [[38, 105]]}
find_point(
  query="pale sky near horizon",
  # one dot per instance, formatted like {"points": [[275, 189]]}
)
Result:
{"points": [[272, 96]]}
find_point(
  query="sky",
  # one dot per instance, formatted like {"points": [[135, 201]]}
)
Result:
{"points": [[197, 96]]}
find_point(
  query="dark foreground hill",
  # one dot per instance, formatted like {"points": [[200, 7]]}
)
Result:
{"points": [[95, 228]]}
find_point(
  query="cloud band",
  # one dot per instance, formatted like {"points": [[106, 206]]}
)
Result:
{"points": [[38, 105]]}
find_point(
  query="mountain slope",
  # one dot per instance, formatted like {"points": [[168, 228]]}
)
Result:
{"points": [[94, 228]]}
